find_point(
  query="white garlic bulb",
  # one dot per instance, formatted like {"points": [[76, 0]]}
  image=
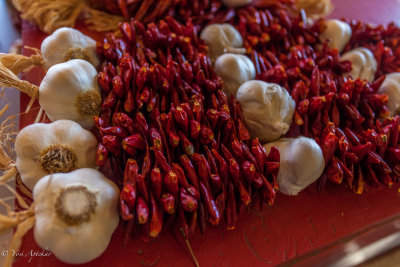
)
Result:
{"points": [[363, 62], [67, 43], [391, 87], [61, 146], [267, 109], [76, 214], [70, 91], [234, 70], [236, 3], [301, 163], [337, 32], [222, 38]]}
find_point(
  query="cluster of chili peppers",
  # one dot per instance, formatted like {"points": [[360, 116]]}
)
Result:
{"points": [[341, 114], [170, 136], [151, 10], [384, 42], [200, 12]]}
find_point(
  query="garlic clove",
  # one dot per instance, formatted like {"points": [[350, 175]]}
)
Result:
{"points": [[301, 163], [234, 70], [337, 32], [267, 109], [391, 87], [76, 214], [222, 38], [70, 91], [60, 146], [363, 62], [67, 43], [236, 3]]}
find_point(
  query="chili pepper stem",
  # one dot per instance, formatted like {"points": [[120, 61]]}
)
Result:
{"points": [[192, 255]]}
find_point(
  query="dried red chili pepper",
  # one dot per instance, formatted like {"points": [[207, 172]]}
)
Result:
{"points": [[168, 203], [181, 175], [258, 153], [155, 139], [206, 135], [190, 170], [156, 221], [161, 161], [142, 210], [142, 187], [112, 144], [135, 141], [114, 130], [101, 155], [188, 202], [130, 172], [156, 182], [171, 183], [128, 195], [212, 210], [203, 169], [123, 120], [118, 86], [104, 82], [124, 211], [187, 146]]}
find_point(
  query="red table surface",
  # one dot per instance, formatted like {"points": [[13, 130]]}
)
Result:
{"points": [[291, 227]]}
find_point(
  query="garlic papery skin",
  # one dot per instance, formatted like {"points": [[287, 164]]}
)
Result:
{"points": [[337, 32], [391, 87], [267, 109], [61, 146], [222, 38], [76, 214], [236, 3], [315, 9], [67, 43], [301, 163], [234, 71], [70, 91], [363, 63]]}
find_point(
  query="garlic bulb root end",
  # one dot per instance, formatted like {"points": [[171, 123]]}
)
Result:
{"points": [[75, 204], [58, 158], [88, 103]]}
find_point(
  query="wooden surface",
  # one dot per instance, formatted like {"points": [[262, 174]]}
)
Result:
{"points": [[291, 227]]}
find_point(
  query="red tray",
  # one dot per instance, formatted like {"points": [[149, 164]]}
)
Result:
{"points": [[292, 227]]}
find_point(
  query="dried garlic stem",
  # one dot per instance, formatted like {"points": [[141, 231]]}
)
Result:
{"points": [[23, 220], [4, 109], [50, 15], [16, 241], [101, 21], [19, 63], [9, 79]]}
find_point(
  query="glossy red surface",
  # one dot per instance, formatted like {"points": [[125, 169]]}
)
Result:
{"points": [[291, 227]]}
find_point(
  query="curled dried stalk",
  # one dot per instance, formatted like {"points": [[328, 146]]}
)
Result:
{"points": [[50, 15], [19, 63], [315, 9], [9, 79]]}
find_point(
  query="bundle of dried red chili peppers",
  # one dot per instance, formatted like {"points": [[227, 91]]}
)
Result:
{"points": [[340, 114], [182, 147], [181, 144]]}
